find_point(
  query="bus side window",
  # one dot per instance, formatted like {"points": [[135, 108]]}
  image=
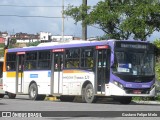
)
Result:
{"points": [[72, 58], [87, 58]]}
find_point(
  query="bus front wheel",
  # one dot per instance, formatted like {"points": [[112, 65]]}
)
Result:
{"points": [[33, 93], [88, 94]]}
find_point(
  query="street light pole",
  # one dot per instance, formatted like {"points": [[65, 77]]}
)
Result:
{"points": [[84, 26], [63, 20]]}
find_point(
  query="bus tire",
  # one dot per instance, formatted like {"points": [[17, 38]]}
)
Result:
{"points": [[66, 98], [88, 94], [11, 96], [1, 95], [33, 93], [125, 100]]}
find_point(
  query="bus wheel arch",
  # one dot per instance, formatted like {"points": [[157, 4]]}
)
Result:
{"points": [[33, 92], [88, 94]]}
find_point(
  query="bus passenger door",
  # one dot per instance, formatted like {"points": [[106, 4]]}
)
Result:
{"points": [[102, 68], [19, 72], [57, 66]]}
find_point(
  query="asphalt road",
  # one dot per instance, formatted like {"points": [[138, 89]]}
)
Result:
{"points": [[24, 107]]}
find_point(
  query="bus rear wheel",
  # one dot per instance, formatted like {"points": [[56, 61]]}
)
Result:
{"points": [[88, 94], [33, 93], [11, 96], [125, 100]]}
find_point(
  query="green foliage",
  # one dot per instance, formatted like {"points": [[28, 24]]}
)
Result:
{"points": [[13, 41], [157, 66], [33, 43], [2, 45], [121, 19], [157, 70], [1, 50]]}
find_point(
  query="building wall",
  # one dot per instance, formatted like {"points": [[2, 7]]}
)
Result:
{"points": [[44, 36], [2, 40], [26, 40], [59, 38]]}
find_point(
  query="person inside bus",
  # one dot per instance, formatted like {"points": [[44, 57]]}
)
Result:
{"points": [[8, 67]]}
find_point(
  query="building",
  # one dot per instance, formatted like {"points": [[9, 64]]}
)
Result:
{"points": [[45, 36], [58, 38], [3, 34], [25, 37], [2, 40]]}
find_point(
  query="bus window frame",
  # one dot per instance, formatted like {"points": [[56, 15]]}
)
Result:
{"points": [[8, 67]]}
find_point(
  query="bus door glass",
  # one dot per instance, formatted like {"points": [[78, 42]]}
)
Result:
{"points": [[19, 72], [102, 67], [57, 67]]}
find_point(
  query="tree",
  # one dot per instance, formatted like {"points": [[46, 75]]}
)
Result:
{"points": [[121, 19], [157, 66]]}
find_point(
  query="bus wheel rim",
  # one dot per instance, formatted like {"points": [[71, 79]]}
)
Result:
{"points": [[33, 92], [89, 93]]}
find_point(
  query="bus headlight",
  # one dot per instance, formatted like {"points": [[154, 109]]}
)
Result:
{"points": [[118, 84]]}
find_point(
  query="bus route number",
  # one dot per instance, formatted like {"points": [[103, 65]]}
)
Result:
{"points": [[86, 77]]}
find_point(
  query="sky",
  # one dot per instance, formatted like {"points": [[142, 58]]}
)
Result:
{"points": [[33, 25]]}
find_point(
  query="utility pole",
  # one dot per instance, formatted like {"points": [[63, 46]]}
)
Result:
{"points": [[84, 26], [62, 20]]}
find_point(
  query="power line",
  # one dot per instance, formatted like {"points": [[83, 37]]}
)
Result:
{"points": [[26, 6], [29, 16], [35, 6]]}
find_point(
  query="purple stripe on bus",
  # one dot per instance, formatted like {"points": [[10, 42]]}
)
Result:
{"points": [[69, 45], [57, 46]]}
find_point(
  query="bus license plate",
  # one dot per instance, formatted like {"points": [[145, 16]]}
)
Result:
{"points": [[136, 91]]}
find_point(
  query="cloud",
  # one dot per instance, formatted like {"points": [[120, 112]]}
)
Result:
{"points": [[34, 25]]}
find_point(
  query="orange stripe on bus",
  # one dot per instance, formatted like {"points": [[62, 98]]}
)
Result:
{"points": [[4, 62]]}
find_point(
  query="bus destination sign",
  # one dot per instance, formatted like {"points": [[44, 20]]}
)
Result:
{"points": [[133, 45], [137, 46]]}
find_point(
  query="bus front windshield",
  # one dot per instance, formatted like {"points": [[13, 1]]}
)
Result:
{"points": [[134, 63]]}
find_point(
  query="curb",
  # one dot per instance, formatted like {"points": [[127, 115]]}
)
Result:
{"points": [[148, 102]]}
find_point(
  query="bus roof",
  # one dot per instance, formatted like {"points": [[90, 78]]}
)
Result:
{"points": [[64, 45]]}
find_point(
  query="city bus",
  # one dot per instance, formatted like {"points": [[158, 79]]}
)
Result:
{"points": [[119, 69]]}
